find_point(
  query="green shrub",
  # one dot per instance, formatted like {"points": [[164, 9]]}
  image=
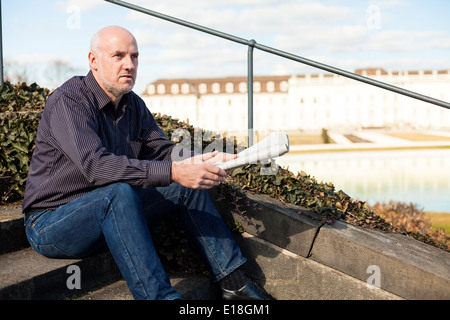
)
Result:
{"points": [[21, 97], [20, 111]]}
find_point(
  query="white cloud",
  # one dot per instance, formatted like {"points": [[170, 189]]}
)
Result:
{"points": [[83, 5], [408, 41], [331, 32], [256, 17], [179, 40], [37, 58]]}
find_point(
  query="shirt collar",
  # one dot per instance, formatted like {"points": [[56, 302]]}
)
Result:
{"points": [[100, 94]]}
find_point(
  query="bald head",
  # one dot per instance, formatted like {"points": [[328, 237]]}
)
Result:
{"points": [[107, 34], [113, 59]]}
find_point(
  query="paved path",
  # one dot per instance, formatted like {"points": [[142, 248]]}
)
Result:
{"points": [[378, 141]]}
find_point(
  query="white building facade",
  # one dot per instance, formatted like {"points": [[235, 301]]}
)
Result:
{"points": [[307, 102]]}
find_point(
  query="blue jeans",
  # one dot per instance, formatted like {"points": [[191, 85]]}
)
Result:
{"points": [[118, 216]]}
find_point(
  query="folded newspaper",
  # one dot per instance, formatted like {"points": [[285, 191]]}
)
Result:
{"points": [[275, 145]]}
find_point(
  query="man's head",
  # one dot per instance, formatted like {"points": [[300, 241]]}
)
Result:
{"points": [[113, 59]]}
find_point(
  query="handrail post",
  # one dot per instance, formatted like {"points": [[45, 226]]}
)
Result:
{"points": [[251, 46], [1, 46]]}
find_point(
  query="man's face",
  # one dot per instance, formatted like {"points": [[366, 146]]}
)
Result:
{"points": [[116, 63]]}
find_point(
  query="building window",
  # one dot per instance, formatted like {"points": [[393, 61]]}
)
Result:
{"points": [[161, 88], [243, 87], [216, 87], [270, 86], [257, 86], [175, 88], [185, 88], [202, 88], [284, 86], [151, 89], [229, 87]]}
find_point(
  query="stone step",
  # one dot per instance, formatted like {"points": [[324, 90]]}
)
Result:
{"points": [[12, 230], [27, 275], [190, 287]]}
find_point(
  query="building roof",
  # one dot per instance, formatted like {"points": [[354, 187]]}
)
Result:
{"points": [[216, 85], [261, 83]]}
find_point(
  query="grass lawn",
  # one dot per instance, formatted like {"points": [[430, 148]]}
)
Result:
{"points": [[305, 139], [439, 220], [417, 136]]}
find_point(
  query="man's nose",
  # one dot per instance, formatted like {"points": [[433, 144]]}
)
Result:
{"points": [[128, 63]]}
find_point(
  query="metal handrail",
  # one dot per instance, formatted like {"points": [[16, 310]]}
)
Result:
{"points": [[1, 46], [253, 44]]}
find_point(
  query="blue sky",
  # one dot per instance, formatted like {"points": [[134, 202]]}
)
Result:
{"points": [[392, 34]]}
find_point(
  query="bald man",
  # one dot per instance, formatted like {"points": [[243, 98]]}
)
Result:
{"points": [[103, 170]]}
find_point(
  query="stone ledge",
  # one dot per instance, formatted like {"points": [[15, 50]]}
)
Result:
{"points": [[288, 276], [267, 218], [408, 268]]}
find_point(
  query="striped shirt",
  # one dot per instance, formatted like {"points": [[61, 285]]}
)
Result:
{"points": [[84, 142]]}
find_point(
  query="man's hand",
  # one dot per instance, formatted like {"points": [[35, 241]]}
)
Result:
{"points": [[199, 172], [216, 156]]}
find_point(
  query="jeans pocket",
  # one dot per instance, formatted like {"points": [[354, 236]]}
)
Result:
{"points": [[35, 219], [49, 250], [38, 239]]}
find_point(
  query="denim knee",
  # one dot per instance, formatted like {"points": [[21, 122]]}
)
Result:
{"points": [[121, 190], [122, 195]]}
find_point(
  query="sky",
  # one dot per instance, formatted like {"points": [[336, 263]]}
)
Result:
{"points": [[47, 41]]}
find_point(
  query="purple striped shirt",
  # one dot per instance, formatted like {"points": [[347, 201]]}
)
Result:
{"points": [[83, 143]]}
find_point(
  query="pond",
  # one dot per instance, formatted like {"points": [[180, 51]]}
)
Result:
{"points": [[412, 176]]}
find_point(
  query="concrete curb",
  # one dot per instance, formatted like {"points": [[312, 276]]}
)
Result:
{"points": [[388, 265], [407, 267]]}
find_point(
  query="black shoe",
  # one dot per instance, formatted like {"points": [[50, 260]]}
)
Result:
{"points": [[251, 291]]}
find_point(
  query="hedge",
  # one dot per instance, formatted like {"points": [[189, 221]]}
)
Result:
{"points": [[20, 111]]}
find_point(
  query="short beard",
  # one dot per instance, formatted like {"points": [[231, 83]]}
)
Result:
{"points": [[114, 90]]}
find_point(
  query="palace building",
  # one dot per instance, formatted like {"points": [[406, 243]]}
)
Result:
{"points": [[306, 102]]}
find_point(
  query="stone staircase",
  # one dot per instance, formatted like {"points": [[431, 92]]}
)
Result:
{"points": [[26, 275], [291, 254]]}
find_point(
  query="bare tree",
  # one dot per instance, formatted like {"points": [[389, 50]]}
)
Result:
{"points": [[16, 72], [59, 71]]}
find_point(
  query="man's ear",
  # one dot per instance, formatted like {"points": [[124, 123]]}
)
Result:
{"points": [[93, 60]]}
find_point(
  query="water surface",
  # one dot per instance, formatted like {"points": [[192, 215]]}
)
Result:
{"points": [[417, 176]]}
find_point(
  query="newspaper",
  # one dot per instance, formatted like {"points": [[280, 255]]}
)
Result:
{"points": [[273, 146]]}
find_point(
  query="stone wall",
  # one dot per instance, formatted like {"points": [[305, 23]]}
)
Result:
{"points": [[297, 257]]}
